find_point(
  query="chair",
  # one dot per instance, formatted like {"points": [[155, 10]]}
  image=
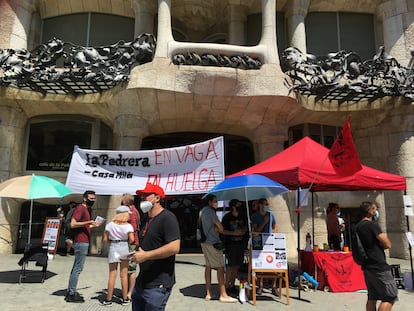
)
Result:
{"points": [[37, 254]]}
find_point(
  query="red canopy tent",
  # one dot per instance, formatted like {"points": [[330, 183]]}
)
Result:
{"points": [[306, 164]]}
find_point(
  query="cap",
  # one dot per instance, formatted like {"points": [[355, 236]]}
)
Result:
{"points": [[122, 209], [151, 188]]}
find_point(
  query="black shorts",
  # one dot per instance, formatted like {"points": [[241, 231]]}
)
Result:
{"points": [[234, 254], [381, 285]]}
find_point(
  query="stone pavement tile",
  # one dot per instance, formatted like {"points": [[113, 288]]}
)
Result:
{"points": [[188, 293]]}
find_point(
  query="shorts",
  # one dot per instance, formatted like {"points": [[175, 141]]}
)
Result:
{"points": [[68, 239], [213, 256], [116, 250], [381, 285], [132, 265], [234, 254]]}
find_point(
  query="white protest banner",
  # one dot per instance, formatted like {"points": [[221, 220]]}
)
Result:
{"points": [[190, 169]]}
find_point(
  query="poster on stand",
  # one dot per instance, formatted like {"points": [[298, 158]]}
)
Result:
{"points": [[51, 233], [272, 255]]}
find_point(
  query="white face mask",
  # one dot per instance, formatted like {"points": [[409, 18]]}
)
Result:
{"points": [[146, 206], [266, 208]]}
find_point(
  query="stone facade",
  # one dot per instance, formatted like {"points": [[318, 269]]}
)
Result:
{"points": [[161, 97]]}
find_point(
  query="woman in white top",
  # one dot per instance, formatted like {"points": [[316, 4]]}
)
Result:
{"points": [[119, 234]]}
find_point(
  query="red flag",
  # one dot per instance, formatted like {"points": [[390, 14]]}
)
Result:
{"points": [[343, 154]]}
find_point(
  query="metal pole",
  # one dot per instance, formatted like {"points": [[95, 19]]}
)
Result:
{"points": [[298, 224], [29, 236], [411, 256]]}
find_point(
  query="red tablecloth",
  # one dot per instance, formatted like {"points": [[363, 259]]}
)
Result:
{"points": [[337, 269]]}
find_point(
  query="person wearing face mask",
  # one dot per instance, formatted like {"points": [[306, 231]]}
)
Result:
{"points": [[377, 273], [341, 223], [213, 255], [333, 228], [82, 223], [234, 244], [159, 242], [263, 221]]}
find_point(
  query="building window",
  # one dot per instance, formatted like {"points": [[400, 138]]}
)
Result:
{"points": [[328, 32], [322, 134], [51, 142], [88, 29]]}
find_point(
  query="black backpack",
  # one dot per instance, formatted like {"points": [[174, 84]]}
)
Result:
{"points": [[67, 230], [358, 251], [200, 235]]}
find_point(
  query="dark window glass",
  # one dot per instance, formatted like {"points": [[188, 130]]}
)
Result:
{"points": [[51, 144], [357, 34], [321, 33], [328, 32], [68, 28], [104, 29], [254, 29], [322, 134], [108, 29]]}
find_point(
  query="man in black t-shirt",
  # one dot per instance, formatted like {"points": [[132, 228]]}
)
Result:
{"points": [[378, 276], [159, 243], [234, 244]]}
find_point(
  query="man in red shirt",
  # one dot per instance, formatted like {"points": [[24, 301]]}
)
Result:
{"points": [[82, 223]]}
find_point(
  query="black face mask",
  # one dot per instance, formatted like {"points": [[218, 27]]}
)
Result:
{"points": [[89, 202]]}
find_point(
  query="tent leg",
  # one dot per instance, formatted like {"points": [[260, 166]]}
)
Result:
{"points": [[299, 272]]}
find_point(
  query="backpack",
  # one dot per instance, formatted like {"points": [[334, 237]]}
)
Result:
{"points": [[201, 237], [358, 251], [69, 232]]}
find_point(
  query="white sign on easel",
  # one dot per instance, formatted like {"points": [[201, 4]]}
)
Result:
{"points": [[273, 255]]}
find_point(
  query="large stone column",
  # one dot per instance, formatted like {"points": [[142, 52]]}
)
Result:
{"points": [[398, 28], [129, 127], [15, 21], [237, 24], [295, 15], [145, 11], [164, 30], [386, 142], [268, 38], [12, 147]]}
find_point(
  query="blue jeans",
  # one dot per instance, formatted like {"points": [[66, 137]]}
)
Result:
{"points": [[81, 251], [150, 299]]}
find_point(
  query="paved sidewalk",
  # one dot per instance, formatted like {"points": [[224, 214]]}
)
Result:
{"points": [[188, 293]]}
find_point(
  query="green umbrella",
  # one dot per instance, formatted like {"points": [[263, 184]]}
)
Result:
{"points": [[32, 187]]}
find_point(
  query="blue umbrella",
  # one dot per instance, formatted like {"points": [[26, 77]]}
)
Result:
{"points": [[247, 187]]}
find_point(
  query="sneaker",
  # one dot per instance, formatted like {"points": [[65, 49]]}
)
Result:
{"points": [[125, 301], [106, 303], [76, 298], [259, 291]]}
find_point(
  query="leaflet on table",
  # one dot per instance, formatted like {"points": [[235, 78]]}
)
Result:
{"points": [[127, 256], [99, 219]]}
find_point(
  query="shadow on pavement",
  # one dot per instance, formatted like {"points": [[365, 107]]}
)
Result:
{"points": [[198, 290], [32, 276]]}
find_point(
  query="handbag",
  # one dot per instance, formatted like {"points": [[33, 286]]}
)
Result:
{"points": [[219, 245]]}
